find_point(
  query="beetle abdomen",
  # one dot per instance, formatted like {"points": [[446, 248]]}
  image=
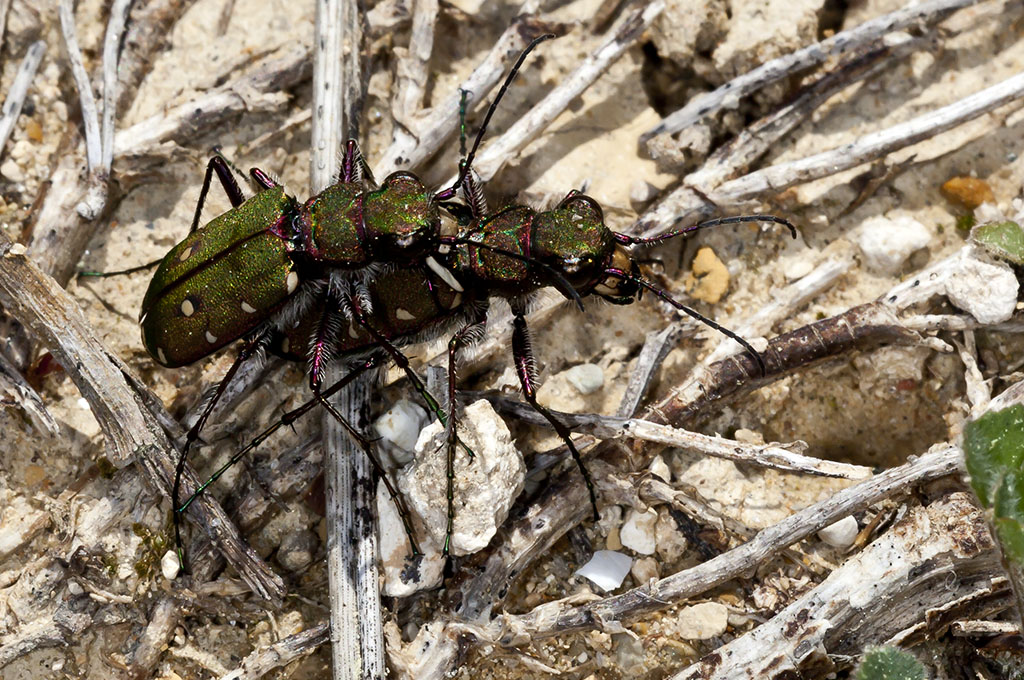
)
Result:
{"points": [[221, 281]]}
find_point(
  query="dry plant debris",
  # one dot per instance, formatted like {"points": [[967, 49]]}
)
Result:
{"points": [[773, 524]]}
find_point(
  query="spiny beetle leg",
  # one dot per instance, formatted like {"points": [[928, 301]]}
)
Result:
{"points": [[403, 510], [403, 364], [320, 398], [522, 354], [219, 165], [251, 348], [460, 339]]}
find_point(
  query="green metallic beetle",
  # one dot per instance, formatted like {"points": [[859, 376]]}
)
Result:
{"points": [[228, 277]]}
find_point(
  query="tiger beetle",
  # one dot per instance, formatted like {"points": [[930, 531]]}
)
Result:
{"points": [[356, 272], [512, 253], [271, 268]]}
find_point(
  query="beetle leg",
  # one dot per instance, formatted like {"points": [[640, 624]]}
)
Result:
{"points": [[403, 510], [254, 345], [353, 165], [522, 353], [465, 335], [220, 166]]}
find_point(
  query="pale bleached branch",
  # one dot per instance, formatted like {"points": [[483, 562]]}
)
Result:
{"points": [[869, 147], [281, 653], [19, 88], [555, 618], [728, 95], [410, 148], [619, 38]]}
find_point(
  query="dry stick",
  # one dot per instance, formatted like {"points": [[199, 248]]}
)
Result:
{"points": [[755, 141], [14, 384], [5, 8], [280, 654], [620, 38], [412, 64], [87, 101], [656, 347], [737, 156], [785, 457], [131, 432], [555, 618], [730, 93], [356, 624], [869, 147], [936, 560], [58, 235], [162, 620], [19, 88], [410, 148]]}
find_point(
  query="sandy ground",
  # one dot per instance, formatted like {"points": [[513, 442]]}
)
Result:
{"points": [[873, 410]]}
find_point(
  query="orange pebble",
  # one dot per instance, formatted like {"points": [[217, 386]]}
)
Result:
{"points": [[970, 192]]}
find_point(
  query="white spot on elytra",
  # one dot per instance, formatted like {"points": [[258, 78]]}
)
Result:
{"points": [[456, 301], [210, 337], [286, 346], [403, 315], [445, 275], [352, 332], [247, 308], [444, 249], [187, 308], [160, 355], [292, 282]]}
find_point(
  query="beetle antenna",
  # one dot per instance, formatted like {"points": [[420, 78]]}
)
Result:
{"points": [[468, 162], [557, 279], [663, 295], [740, 219]]}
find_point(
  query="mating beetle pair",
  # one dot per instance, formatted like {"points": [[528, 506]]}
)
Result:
{"points": [[358, 271]]}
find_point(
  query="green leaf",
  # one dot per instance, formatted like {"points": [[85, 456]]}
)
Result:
{"points": [[1004, 240], [889, 663], [993, 448]]}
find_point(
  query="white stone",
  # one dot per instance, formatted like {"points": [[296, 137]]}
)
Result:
{"points": [[586, 378], [644, 570], [638, 532], [12, 171], [702, 621], [840, 534], [887, 242], [607, 569], [986, 290], [671, 542], [400, 426], [170, 565], [659, 468], [485, 487], [403, 573]]}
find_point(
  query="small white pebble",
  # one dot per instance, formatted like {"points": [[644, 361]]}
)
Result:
{"points": [[703, 621], [607, 569], [798, 269], [586, 378], [659, 468], [840, 534], [985, 290], [169, 565], [887, 242], [401, 425], [645, 570], [638, 532], [12, 171]]}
